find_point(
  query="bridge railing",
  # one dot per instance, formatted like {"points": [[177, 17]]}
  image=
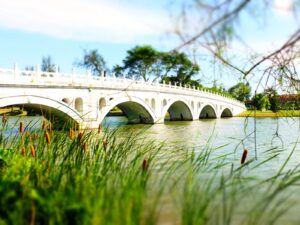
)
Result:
{"points": [[25, 77]]}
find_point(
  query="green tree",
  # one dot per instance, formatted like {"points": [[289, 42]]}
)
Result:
{"points": [[93, 61], [273, 97], [260, 102], [182, 68], [48, 65], [140, 63], [240, 91]]}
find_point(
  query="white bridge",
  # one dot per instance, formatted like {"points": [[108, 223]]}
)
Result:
{"points": [[86, 100]]}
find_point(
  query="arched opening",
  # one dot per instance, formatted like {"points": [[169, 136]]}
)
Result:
{"points": [[153, 104], [102, 103], [226, 113], [165, 102], [66, 100], [147, 101], [79, 104], [178, 111], [132, 113], [207, 113]]}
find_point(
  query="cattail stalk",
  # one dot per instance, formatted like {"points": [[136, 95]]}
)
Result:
{"points": [[244, 156], [23, 151], [145, 165], [21, 128], [99, 128], [44, 124], [104, 142], [80, 135], [32, 151], [71, 134], [48, 138], [85, 147]]}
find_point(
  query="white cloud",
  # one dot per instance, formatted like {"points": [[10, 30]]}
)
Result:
{"points": [[83, 19]]}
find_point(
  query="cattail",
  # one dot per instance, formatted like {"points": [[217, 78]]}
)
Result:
{"points": [[21, 128], [27, 134], [104, 142], [85, 147], [71, 134], [23, 151], [50, 128], [4, 120], [80, 135], [48, 138], [35, 136], [32, 151], [145, 165], [244, 156], [99, 128], [44, 124]]}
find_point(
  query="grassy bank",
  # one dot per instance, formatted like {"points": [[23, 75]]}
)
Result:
{"points": [[90, 177], [268, 113]]}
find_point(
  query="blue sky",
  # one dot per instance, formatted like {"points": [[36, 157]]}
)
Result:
{"points": [[32, 29]]}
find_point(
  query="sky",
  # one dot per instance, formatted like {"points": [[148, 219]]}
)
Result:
{"points": [[62, 29]]}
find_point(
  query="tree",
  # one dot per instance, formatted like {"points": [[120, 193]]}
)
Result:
{"points": [[93, 61], [224, 27], [140, 63], [48, 65], [273, 97], [240, 91], [260, 102], [179, 64], [145, 62]]}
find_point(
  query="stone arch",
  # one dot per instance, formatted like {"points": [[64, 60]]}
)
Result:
{"points": [[135, 109], [207, 112], [226, 113], [153, 104], [61, 114], [102, 103], [66, 100], [178, 110], [192, 106], [79, 104]]}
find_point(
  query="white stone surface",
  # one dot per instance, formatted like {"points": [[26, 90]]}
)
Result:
{"points": [[87, 99]]}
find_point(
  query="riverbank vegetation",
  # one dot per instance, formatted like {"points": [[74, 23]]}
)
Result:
{"points": [[269, 113], [101, 177]]}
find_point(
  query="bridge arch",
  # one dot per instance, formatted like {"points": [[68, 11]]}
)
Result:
{"points": [[49, 107], [79, 104], [135, 109], [226, 113], [178, 109], [66, 100], [102, 103], [208, 111]]}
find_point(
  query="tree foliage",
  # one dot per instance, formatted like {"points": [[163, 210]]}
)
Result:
{"points": [[48, 65], [145, 62], [93, 61], [260, 102], [240, 91], [141, 62]]}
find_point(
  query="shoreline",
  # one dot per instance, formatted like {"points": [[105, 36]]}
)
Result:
{"points": [[270, 114]]}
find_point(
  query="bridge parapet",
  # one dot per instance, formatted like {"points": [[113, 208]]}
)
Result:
{"points": [[57, 79]]}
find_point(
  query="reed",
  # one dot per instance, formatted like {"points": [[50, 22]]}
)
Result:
{"points": [[105, 178]]}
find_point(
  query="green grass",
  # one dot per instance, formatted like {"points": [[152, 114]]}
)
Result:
{"points": [[268, 113], [102, 178]]}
